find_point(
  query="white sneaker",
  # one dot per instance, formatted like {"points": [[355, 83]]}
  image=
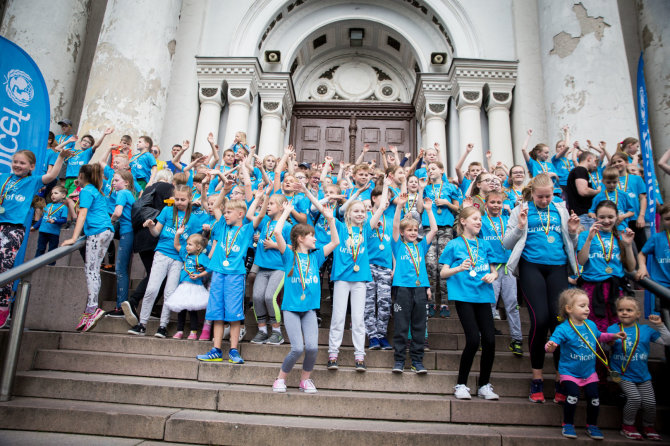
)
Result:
{"points": [[226, 332], [486, 392], [279, 386], [462, 392], [308, 386], [243, 333], [496, 315]]}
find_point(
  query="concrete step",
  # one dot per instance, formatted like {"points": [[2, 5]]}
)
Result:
{"points": [[30, 438]]}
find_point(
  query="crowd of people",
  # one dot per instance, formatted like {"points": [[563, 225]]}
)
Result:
{"points": [[400, 239]]}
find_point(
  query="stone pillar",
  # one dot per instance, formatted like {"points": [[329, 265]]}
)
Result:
{"points": [[240, 98], [211, 103], [498, 101], [276, 103], [468, 104], [571, 33], [130, 74], [653, 19], [529, 109], [431, 101], [53, 34]]}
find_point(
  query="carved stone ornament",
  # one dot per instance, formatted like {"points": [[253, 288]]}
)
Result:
{"points": [[271, 106], [237, 92], [328, 74], [208, 92], [501, 97], [471, 95], [436, 108]]}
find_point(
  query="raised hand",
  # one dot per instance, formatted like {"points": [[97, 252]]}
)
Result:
{"points": [[422, 152], [550, 346], [489, 154], [382, 150], [402, 199], [469, 147], [185, 144], [523, 216], [627, 237], [423, 182], [288, 208], [573, 223], [366, 148], [327, 213], [210, 138], [655, 319], [467, 202], [529, 132], [387, 181], [108, 131], [428, 203], [180, 230], [595, 227]]}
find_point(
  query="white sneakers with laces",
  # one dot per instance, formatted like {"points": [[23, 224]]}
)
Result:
{"points": [[308, 386], [279, 386], [462, 392], [487, 393]]}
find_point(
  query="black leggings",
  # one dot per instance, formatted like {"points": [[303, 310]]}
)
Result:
{"points": [[476, 319], [541, 286], [572, 396], [181, 320]]}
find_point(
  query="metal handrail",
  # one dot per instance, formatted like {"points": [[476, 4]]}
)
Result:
{"points": [[24, 272], [650, 285]]}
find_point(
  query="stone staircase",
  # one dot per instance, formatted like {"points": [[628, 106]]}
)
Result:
{"points": [[108, 383]]}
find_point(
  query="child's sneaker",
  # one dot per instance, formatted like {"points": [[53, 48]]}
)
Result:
{"points": [[426, 347], [243, 333], [139, 330], [226, 332], [384, 344], [307, 386], [214, 355], [234, 357], [418, 368], [193, 335], [82, 320], [432, 310], [279, 386], [275, 338], [630, 432], [594, 432], [206, 333], [651, 433], [537, 391], [178, 335], [515, 348], [568, 431], [116, 312], [161, 332], [559, 396], [444, 311], [93, 319], [398, 367], [260, 338], [129, 313], [496, 315], [487, 393], [374, 344], [462, 392], [332, 363], [4, 314], [360, 366]]}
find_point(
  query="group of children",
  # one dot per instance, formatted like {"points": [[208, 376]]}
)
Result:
{"points": [[277, 225]]}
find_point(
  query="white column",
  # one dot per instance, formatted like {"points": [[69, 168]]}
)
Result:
{"points": [[436, 126], [130, 73], [211, 103], [285, 122], [271, 126], [53, 34], [431, 104], [468, 104], [498, 102], [239, 105]]}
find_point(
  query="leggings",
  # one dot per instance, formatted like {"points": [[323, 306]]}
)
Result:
{"points": [[639, 395], [572, 396], [181, 320], [303, 333], [541, 286], [340, 301], [96, 247], [268, 284], [11, 237], [477, 322]]}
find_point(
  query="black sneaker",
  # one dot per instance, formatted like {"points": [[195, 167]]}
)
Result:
{"points": [[360, 366], [418, 368], [129, 313], [161, 332], [117, 312], [515, 348], [138, 329], [398, 367], [332, 364]]}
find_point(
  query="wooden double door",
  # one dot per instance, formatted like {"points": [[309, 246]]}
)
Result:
{"points": [[341, 130]]}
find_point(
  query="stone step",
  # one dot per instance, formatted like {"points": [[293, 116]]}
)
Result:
{"points": [[31, 438]]}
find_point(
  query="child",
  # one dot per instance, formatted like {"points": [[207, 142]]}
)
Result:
{"points": [[658, 248], [604, 260], [240, 142], [517, 178], [579, 339], [143, 165], [474, 169], [302, 295], [411, 280], [191, 295], [493, 232], [537, 163], [226, 291], [124, 185], [94, 220], [637, 192], [629, 366], [612, 193], [53, 218], [469, 273]]}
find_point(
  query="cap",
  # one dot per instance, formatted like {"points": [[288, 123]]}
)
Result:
{"points": [[65, 122], [305, 165]]}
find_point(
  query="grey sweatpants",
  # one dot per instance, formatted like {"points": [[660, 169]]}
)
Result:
{"points": [[505, 286], [161, 267], [303, 332], [267, 285]]}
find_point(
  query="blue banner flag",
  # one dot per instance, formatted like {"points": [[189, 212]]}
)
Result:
{"points": [[24, 113]]}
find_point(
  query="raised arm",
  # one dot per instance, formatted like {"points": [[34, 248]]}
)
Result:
{"points": [[177, 236], [256, 219], [524, 147], [280, 167], [459, 165], [52, 174], [428, 206], [419, 157], [279, 237], [663, 162], [108, 131], [214, 157], [360, 158], [384, 198], [176, 160], [334, 235], [246, 179], [402, 199]]}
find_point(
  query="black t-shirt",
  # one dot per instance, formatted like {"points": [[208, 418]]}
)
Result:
{"points": [[576, 202]]}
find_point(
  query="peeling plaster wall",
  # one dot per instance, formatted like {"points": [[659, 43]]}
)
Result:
{"points": [[52, 33], [130, 74], [587, 84]]}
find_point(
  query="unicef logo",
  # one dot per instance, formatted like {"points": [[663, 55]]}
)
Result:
{"points": [[236, 248], [19, 87]]}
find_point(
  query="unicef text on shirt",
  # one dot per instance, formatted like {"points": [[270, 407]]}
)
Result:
{"points": [[308, 281], [555, 228]]}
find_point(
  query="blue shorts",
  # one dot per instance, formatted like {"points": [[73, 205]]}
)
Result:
{"points": [[226, 297]]}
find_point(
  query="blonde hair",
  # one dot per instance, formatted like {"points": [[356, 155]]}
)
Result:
{"points": [[567, 299], [235, 205], [407, 222], [539, 180], [630, 298], [198, 239], [347, 214], [462, 215]]}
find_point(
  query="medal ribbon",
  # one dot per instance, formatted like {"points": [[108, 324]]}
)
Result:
{"points": [[410, 204], [6, 190], [268, 234], [502, 228], [475, 257], [595, 181], [546, 227], [625, 184], [228, 248], [135, 157], [355, 248], [602, 358], [380, 235], [566, 163], [416, 262], [607, 255], [439, 193], [52, 211], [301, 274], [632, 351], [543, 166], [197, 266], [616, 196]]}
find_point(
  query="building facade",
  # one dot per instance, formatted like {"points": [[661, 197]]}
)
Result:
{"points": [[331, 75]]}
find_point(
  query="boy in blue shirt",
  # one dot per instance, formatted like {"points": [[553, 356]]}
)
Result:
{"points": [[53, 218], [617, 196]]}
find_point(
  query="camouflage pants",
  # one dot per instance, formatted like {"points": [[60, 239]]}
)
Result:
{"points": [[378, 302], [438, 286]]}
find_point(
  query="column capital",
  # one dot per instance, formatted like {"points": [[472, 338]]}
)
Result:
{"points": [[239, 75], [469, 95], [498, 98], [276, 93], [469, 77], [431, 95], [211, 94]]}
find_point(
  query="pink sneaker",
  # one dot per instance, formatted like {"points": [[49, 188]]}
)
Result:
{"points": [[93, 319], [83, 319], [205, 334], [178, 335], [4, 315], [308, 386], [193, 335], [279, 386]]}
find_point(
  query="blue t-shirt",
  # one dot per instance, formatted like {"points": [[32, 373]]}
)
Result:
{"points": [[562, 166], [270, 258], [236, 240], [577, 360], [390, 209], [636, 370], [537, 248], [61, 139], [299, 201], [18, 196], [75, 162], [594, 269], [141, 166], [657, 248], [465, 184], [537, 167], [166, 238], [343, 261], [406, 263], [309, 265], [56, 212], [442, 214], [125, 198], [50, 158], [365, 195], [321, 229], [170, 165], [493, 231], [214, 182], [462, 286], [192, 263], [376, 254], [512, 197], [97, 217], [633, 185], [622, 201]]}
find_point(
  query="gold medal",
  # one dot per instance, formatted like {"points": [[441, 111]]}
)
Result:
{"points": [[255, 244], [616, 376], [303, 297], [439, 211], [418, 283], [381, 247], [226, 263], [551, 239], [356, 268], [609, 270]]}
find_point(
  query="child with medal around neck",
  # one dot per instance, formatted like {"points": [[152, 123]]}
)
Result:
{"points": [[579, 339], [53, 218], [411, 281], [629, 366], [469, 274], [302, 294]]}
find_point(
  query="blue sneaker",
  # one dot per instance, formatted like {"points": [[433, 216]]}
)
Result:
{"points": [[594, 432], [214, 355], [385, 344], [374, 344], [432, 310], [568, 431], [234, 357], [444, 311], [418, 368]]}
